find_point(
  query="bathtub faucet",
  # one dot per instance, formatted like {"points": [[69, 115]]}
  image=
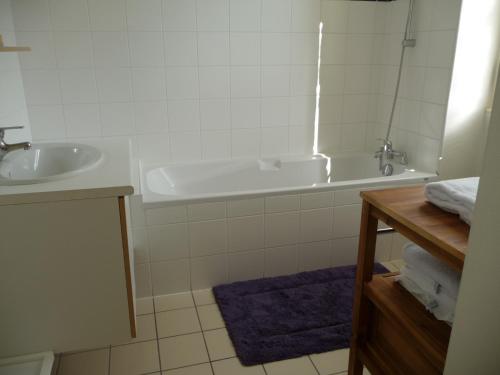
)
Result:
{"points": [[5, 148], [386, 153]]}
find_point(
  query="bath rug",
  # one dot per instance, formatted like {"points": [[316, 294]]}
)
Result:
{"points": [[285, 317]]}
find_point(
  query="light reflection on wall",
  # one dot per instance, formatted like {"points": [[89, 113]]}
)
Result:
{"points": [[318, 92]]}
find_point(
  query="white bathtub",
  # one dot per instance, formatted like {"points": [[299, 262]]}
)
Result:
{"points": [[186, 182], [202, 224]]}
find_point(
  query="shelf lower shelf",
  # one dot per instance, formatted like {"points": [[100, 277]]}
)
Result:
{"points": [[401, 323]]}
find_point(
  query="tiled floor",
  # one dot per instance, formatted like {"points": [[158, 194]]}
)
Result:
{"points": [[184, 334]]}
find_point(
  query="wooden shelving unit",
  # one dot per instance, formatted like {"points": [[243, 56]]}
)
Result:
{"points": [[392, 331]]}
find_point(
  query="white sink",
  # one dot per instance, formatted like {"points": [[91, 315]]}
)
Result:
{"points": [[47, 162]]}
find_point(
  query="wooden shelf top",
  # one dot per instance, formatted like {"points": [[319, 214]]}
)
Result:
{"points": [[405, 310], [445, 234]]}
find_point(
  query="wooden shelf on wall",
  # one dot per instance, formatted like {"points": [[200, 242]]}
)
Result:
{"points": [[4, 48]]}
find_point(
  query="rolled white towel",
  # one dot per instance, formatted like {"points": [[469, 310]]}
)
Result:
{"points": [[442, 305], [423, 281], [432, 268], [455, 196]]}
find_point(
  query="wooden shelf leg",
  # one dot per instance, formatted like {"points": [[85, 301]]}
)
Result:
{"points": [[366, 256]]}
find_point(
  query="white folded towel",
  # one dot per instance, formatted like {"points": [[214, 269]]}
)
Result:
{"points": [[432, 268], [455, 196], [427, 284], [442, 305]]}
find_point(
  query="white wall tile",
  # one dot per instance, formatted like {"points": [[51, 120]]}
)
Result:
{"points": [[245, 143], [170, 277], [335, 15], [117, 119], [47, 122], [144, 15], [344, 251], [274, 141], [208, 237], [281, 261], [333, 48], [275, 48], [310, 201], [315, 255], [213, 48], [275, 112], [207, 272], [150, 117], [304, 48], [282, 203], [142, 274], [282, 229], [215, 114], [182, 83], [347, 197], [276, 81], [316, 225], [82, 120], [110, 15], [166, 215], [214, 82], [361, 17], [246, 266], [181, 48], [78, 86], [141, 245], [346, 221], [183, 115], [245, 207], [168, 242], [179, 15], [305, 15], [69, 15], [206, 211], [31, 15], [302, 110], [185, 146], [110, 49], [148, 84], [42, 54], [216, 145], [153, 148], [146, 49], [437, 85], [114, 85], [303, 80], [245, 82], [245, 48], [42, 87], [245, 15], [276, 15], [245, 113], [245, 233], [212, 15]]}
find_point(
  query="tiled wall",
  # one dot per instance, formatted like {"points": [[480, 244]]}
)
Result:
{"points": [[13, 111], [178, 248], [364, 81], [186, 79]]}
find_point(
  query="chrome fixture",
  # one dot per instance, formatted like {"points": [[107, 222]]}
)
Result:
{"points": [[5, 148], [386, 154]]}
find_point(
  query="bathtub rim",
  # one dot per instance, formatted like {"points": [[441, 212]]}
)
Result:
{"points": [[151, 199]]}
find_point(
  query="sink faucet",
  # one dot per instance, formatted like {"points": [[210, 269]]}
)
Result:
{"points": [[385, 153], [5, 148]]}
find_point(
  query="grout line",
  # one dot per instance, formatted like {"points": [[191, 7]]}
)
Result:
{"points": [[109, 360], [157, 338], [312, 362], [202, 335]]}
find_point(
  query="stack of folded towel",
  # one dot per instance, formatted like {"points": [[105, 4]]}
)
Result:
{"points": [[431, 281], [456, 196]]}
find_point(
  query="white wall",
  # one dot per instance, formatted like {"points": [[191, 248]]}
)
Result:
{"points": [[475, 338], [13, 110], [472, 85], [185, 79]]}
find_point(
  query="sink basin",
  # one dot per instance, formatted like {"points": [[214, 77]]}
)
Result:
{"points": [[47, 162]]}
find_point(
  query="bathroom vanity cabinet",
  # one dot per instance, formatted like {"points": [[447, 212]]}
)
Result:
{"points": [[65, 276]]}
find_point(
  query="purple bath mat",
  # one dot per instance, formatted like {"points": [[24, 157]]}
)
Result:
{"points": [[289, 316]]}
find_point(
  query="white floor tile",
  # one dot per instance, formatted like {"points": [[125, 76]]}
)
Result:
{"points": [[203, 297], [210, 317], [232, 366], [134, 359], [145, 329], [391, 267], [331, 362], [203, 369], [219, 344], [177, 322], [173, 301], [91, 362], [181, 351], [296, 366], [144, 306]]}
